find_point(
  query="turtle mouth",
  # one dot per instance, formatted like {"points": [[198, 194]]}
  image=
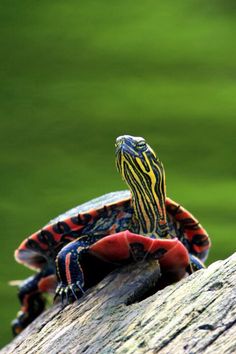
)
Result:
{"points": [[120, 144], [119, 159]]}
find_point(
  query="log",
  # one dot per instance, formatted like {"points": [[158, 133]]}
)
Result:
{"points": [[195, 315]]}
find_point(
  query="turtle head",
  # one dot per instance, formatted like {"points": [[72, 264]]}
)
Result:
{"points": [[132, 148], [145, 176]]}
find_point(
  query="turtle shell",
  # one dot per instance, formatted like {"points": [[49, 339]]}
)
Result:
{"points": [[100, 216], [106, 215], [96, 203]]}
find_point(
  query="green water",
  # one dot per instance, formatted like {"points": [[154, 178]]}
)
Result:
{"points": [[74, 75]]}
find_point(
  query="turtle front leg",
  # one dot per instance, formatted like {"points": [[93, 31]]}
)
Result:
{"points": [[70, 274], [31, 298]]}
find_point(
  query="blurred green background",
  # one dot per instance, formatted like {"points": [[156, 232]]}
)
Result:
{"points": [[76, 74]]}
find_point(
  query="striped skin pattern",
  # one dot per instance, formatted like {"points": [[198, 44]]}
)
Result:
{"points": [[145, 224], [145, 176]]}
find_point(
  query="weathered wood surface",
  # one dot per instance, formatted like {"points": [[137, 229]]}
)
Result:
{"points": [[195, 315]]}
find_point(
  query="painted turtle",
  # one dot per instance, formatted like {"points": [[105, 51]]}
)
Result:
{"points": [[116, 228]]}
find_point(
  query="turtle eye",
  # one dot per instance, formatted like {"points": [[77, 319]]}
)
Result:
{"points": [[141, 144]]}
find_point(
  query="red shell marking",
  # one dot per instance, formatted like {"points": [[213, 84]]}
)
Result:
{"points": [[48, 284], [46, 243], [196, 235]]}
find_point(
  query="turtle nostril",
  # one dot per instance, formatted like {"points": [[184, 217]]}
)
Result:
{"points": [[119, 140]]}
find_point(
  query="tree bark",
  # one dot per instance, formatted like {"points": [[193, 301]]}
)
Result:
{"points": [[195, 315]]}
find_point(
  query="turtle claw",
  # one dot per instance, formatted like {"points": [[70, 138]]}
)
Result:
{"points": [[80, 287], [73, 289], [69, 293], [63, 295], [57, 292]]}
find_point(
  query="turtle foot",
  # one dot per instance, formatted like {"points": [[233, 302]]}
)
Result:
{"points": [[69, 293], [19, 323]]}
